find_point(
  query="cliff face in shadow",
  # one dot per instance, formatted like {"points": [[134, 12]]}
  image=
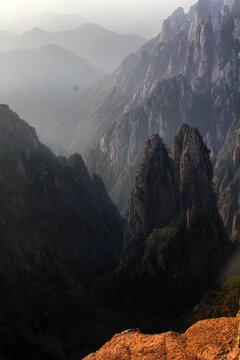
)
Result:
{"points": [[173, 224], [226, 179], [66, 284], [59, 232], [175, 244]]}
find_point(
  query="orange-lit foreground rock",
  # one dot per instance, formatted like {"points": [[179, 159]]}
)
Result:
{"points": [[208, 339]]}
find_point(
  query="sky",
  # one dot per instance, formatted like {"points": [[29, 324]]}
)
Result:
{"points": [[12, 10]]}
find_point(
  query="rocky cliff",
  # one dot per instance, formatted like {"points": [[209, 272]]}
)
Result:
{"points": [[59, 232], [172, 25], [208, 340], [193, 170], [174, 241], [166, 186], [226, 179], [153, 201], [189, 73], [66, 212], [173, 233]]}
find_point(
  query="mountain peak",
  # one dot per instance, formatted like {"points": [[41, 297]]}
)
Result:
{"points": [[35, 33], [153, 199], [4, 107], [165, 186], [36, 30], [16, 133], [172, 24], [230, 3], [153, 144], [192, 163]]}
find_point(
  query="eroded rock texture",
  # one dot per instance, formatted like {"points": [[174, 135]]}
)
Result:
{"points": [[58, 232], [206, 340], [173, 235], [188, 74]]}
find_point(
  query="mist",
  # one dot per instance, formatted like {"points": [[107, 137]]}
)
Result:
{"points": [[50, 48], [119, 179], [140, 17]]}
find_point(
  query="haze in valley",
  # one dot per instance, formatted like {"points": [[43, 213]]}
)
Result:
{"points": [[141, 17], [119, 179]]}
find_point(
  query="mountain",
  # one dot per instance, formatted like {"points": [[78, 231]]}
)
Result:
{"points": [[189, 73], [173, 232], [213, 339], [64, 289], [103, 48], [72, 274], [35, 82], [164, 187], [49, 21], [226, 179], [145, 28], [59, 232], [67, 202], [120, 149], [174, 244], [66, 285]]}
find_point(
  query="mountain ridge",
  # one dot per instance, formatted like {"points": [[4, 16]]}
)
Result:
{"points": [[90, 41], [36, 81], [197, 67], [59, 233], [174, 244]]}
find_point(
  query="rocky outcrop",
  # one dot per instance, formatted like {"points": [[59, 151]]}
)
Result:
{"points": [[173, 234], [164, 186], [227, 180], [119, 153], [208, 340], [193, 170], [111, 154], [153, 201], [172, 25]]}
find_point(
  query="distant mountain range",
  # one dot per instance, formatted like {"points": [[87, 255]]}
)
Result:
{"points": [[41, 70], [103, 48], [49, 21], [46, 20], [53, 21], [35, 82]]}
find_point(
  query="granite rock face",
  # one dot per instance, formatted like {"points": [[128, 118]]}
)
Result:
{"points": [[120, 150], [173, 233], [153, 201], [188, 74], [172, 25], [209, 340], [193, 170], [167, 185], [227, 180]]}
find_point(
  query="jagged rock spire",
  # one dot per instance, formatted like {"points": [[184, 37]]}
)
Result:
{"points": [[167, 185], [153, 199]]}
